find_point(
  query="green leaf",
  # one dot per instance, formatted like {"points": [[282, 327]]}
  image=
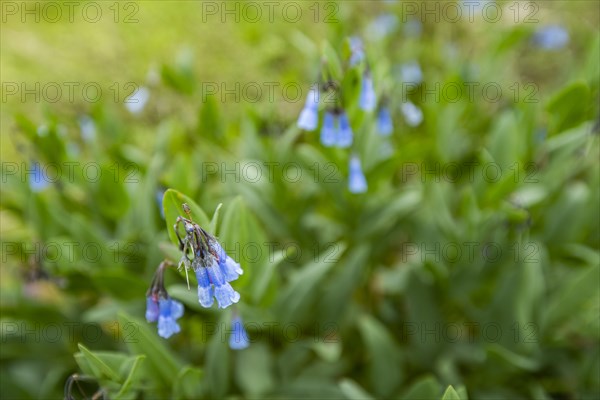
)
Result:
{"points": [[425, 388], [133, 376], [245, 241], [217, 364], [385, 370], [172, 205], [296, 297], [189, 383], [99, 368], [212, 228], [161, 362], [353, 391], [254, 370], [334, 65], [450, 394], [568, 107]]}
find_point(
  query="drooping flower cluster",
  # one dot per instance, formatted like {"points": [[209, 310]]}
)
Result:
{"points": [[214, 269], [160, 307], [336, 130]]}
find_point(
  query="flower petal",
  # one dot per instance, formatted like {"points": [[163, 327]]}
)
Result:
{"points": [[151, 309]]}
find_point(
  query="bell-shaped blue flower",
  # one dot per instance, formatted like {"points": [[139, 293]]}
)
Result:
{"points": [[551, 37], [205, 289], [230, 269], [39, 180], [151, 309], [367, 100], [211, 282], [357, 183], [357, 53], [309, 117], [169, 311], [412, 114], [344, 134], [411, 73], [87, 128], [239, 337], [137, 101], [385, 126], [329, 129]]}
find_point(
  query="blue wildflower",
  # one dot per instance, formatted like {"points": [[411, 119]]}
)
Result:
{"points": [[357, 183], [385, 126], [551, 37], [309, 117], [87, 128], [230, 269], [329, 129], [160, 307], [382, 26], [367, 100], [411, 72], [357, 53], [214, 269], [205, 290], [239, 337], [137, 101], [169, 311], [212, 282], [39, 181], [151, 309], [344, 135], [412, 114]]}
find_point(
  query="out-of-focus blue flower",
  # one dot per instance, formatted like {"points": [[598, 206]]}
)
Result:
{"points": [[385, 125], [211, 282], [166, 311], [551, 37], [382, 26], [38, 181], [412, 114], [357, 183], [367, 100], [239, 337], [357, 52], [344, 133], [309, 117], [169, 311], [230, 269], [411, 73], [87, 128], [137, 101], [329, 129], [413, 27]]}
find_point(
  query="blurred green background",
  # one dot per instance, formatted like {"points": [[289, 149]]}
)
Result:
{"points": [[442, 273]]}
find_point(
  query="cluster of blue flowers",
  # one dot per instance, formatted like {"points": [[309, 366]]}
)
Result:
{"points": [[160, 307], [214, 270], [336, 130]]}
